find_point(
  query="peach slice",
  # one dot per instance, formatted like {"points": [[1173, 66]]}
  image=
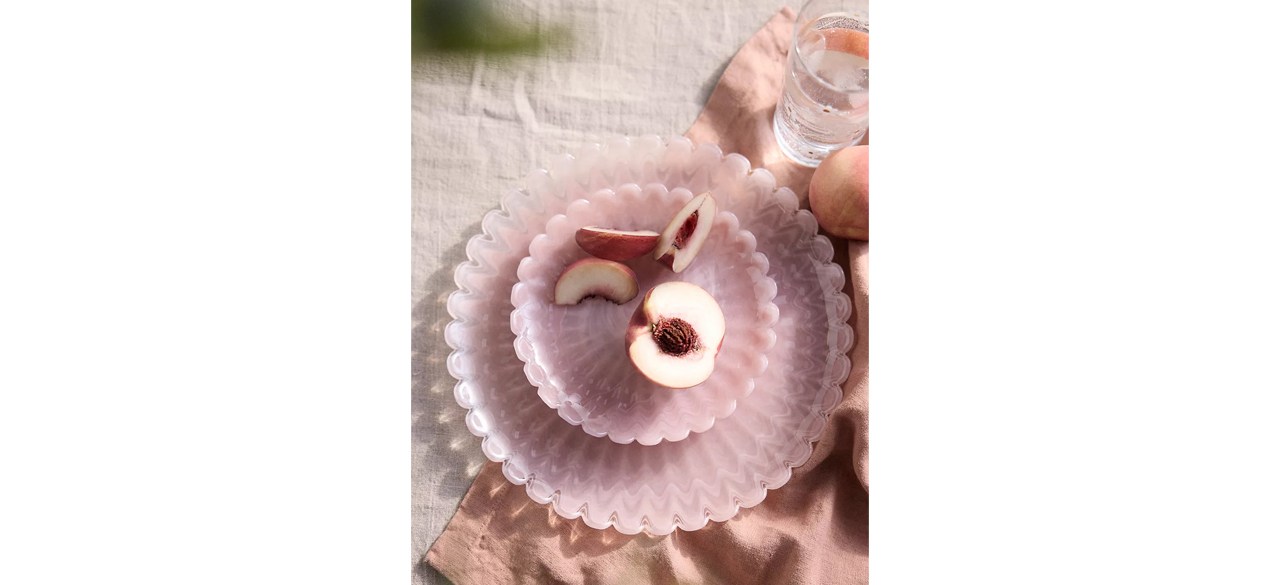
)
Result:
{"points": [[845, 40], [686, 233], [675, 334], [596, 277], [616, 245]]}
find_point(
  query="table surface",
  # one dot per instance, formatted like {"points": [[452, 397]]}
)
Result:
{"points": [[481, 123]]}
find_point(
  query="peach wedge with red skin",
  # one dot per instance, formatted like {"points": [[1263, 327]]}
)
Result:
{"points": [[687, 232], [616, 245], [675, 335], [596, 277]]}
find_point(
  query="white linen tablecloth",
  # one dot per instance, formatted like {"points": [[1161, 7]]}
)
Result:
{"points": [[481, 123]]}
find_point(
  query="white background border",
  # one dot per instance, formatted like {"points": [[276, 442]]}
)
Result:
{"points": [[204, 321]]}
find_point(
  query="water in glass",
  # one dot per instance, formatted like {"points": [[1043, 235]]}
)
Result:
{"points": [[823, 106]]}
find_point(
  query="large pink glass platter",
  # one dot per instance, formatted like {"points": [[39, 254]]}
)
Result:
{"points": [[708, 476], [576, 355]]}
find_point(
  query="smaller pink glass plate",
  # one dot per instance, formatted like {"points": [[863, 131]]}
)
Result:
{"points": [[576, 355]]}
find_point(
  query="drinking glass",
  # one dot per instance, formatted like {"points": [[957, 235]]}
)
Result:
{"points": [[823, 106]]}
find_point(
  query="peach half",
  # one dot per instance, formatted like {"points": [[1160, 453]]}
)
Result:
{"points": [[675, 334]]}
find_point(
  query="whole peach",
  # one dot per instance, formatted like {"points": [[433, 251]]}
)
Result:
{"points": [[838, 193]]}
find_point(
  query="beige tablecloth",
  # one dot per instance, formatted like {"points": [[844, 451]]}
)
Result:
{"points": [[480, 124]]}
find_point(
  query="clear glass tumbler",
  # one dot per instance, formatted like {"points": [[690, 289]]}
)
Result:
{"points": [[823, 106]]}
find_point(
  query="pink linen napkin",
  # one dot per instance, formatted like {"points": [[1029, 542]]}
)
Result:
{"points": [[812, 530]]}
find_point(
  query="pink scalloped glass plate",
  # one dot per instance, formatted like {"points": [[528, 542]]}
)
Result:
{"points": [[576, 355], [709, 476]]}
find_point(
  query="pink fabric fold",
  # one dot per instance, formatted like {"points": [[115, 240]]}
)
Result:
{"points": [[812, 530]]}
